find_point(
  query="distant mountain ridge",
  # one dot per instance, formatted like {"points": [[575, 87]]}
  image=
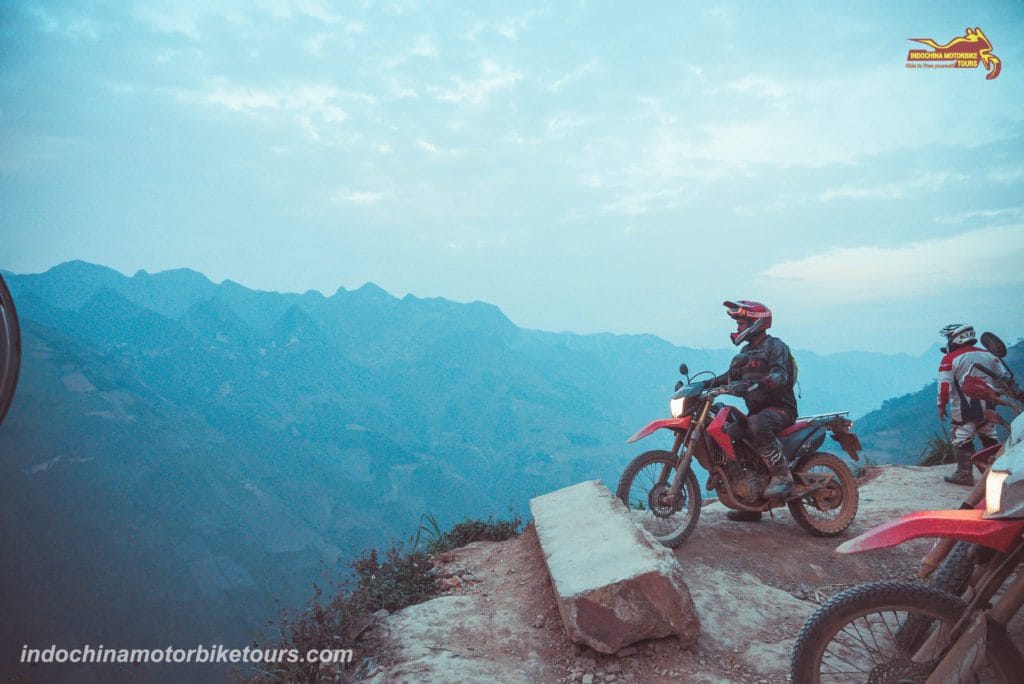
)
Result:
{"points": [[195, 449]]}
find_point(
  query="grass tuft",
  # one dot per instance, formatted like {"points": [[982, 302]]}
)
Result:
{"points": [[937, 451]]}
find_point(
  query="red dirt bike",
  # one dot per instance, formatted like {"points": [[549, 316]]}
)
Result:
{"points": [[953, 628], [660, 487]]}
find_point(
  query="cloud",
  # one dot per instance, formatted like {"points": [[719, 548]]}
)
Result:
{"points": [[358, 197], [493, 77], [185, 16], [311, 106], [640, 202], [438, 151], [315, 44], [510, 28], [987, 214], [425, 46], [724, 16], [755, 123], [1007, 174], [573, 75], [928, 181], [563, 124], [989, 256]]}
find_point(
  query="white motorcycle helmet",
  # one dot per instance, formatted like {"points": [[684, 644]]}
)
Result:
{"points": [[958, 335]]}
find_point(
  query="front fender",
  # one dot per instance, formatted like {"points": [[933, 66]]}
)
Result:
{"points": [[652, 427], [966, 526]]}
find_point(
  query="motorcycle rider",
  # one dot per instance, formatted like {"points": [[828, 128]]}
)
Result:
{"points": [[766, 361], [961, 359]]}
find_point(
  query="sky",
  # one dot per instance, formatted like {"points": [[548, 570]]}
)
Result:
{"points": [[585, 166]]}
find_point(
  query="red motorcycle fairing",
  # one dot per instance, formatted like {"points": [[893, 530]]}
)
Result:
{"points": [[965, 525], [716, 432], [652, 427], [980, 458]]}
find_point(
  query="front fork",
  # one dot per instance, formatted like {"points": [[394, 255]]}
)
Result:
{"points": [[684, 456]]}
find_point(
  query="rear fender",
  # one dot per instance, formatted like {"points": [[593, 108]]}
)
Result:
{"points": [[670, 423], [967, 526], [849, 442]]}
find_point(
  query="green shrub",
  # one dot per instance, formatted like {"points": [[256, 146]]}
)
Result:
{"points": [[469, 530], [937, 451]]}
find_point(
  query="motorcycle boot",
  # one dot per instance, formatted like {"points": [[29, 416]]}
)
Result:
{"points": [[781, 484], [963, 475], [743, 516]]}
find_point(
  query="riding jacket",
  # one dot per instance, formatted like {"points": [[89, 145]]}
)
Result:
{"points": [[954, 369], [769, 363]]}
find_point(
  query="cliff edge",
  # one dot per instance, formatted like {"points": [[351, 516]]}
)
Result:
{"points": [[753, 584]]}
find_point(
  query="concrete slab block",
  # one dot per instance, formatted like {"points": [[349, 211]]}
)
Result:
{"points": [[614, 583]]}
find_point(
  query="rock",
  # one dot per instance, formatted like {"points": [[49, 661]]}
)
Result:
{"points": [[626, 652], [588, 679], [538, 622], [586, 663], [382, 613], [614, 584]]}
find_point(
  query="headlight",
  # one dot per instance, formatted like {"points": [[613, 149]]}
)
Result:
{"points": [[676, 405], [994, 490]]}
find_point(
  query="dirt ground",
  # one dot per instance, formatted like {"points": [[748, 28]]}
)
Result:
{"points": [[754, 585]]}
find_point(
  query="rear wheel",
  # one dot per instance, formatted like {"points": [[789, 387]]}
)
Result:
{"points": [[955, 571], [952, 577], [645, 488], [827, 511]]}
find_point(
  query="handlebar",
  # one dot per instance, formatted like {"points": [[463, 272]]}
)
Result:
{"points": [[731, 388]]}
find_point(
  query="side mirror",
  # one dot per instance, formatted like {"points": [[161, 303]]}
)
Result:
{"points": [[685, 370], [993, 344], [679, 385]]}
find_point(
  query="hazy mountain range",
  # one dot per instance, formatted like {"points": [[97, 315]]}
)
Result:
{"points": [[179, 452]]}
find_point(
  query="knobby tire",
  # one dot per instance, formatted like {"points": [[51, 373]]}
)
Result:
{"points": [[636, 483], [834, 521]]}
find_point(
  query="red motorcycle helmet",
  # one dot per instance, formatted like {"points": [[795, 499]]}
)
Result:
{"points": [[757, 316]]}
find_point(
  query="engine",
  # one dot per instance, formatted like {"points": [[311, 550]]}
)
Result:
{"points": [[747, 476]]}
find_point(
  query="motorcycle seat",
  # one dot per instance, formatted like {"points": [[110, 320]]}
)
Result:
{"points": [[795, 427]]}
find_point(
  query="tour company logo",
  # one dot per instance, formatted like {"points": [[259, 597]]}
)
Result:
{"points": [[963, 52]]}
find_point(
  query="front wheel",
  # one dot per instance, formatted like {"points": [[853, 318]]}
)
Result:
{"points": [[890, 631], [645, 488], [827, 511]]}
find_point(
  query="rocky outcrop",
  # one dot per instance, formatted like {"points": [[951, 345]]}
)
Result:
{"points": [[614, 584], [754, 585]]}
